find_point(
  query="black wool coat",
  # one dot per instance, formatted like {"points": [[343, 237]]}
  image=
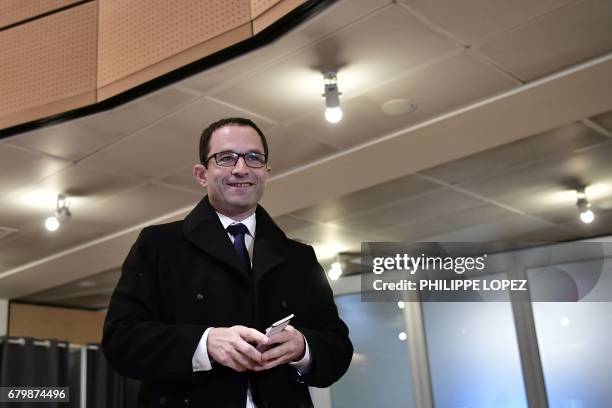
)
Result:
{"points": [[181, 278]]}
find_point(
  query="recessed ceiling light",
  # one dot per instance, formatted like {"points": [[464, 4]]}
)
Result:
{"points": [[395, 107]]}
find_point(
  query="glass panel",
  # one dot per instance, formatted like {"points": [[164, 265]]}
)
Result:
{"points": [[473, 355], [574, 340], [379, 375]]}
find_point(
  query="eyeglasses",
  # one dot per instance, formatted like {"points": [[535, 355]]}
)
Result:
{"points": [[229, 159]]}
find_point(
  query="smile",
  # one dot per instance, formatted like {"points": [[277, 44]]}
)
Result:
{"points": [[240, 184]]}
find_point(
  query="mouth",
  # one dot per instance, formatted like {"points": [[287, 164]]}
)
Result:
{"points": [[240, 185]]}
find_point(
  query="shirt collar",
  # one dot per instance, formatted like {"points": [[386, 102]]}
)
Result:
{"points": [[248, 222]]}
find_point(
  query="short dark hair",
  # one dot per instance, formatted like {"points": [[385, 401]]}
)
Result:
{"points": [[207, 135]]}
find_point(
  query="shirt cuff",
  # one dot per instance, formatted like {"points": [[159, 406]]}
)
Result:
{"points": [[200, 360], [303, 365]]}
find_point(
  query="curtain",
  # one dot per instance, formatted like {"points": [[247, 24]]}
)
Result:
{"points": [[25, 362], [106, 388]]}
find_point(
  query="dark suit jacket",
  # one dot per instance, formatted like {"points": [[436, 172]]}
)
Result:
{"points": [[183, 277]]}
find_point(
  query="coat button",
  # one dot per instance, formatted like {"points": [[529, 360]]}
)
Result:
{"points": [[162, 401], [200, 296], [284, 304], [186, 401]]}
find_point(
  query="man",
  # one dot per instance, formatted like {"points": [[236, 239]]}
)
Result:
{"points": [[189, 313]]}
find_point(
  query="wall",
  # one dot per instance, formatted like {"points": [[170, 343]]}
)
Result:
{"points": [[46, 322]]}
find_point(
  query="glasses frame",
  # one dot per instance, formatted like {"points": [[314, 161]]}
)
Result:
{"points": [[238, 156]]}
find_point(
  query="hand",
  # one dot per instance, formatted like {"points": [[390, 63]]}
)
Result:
{"points": [[289, 346], [230, 347]]}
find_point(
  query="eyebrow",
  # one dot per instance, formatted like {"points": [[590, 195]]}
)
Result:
{"points": [[248, 151]]}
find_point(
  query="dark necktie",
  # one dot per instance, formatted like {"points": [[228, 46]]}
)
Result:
{"points": [[238, 231]]}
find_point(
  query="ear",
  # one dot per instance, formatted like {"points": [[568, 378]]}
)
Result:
{"points": [[199, 172], [268, 170]]}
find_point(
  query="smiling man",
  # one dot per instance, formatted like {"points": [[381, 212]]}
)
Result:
{"points": [[189, 314]]}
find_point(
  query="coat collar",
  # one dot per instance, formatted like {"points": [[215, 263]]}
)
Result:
{"points": [[203, 228]]}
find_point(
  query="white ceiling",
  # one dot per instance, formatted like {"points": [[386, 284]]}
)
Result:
{"points": [[511, 115]]}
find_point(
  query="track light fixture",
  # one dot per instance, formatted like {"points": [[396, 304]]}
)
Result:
{"points": [[62, 214], [333, 113], [584, 207]]}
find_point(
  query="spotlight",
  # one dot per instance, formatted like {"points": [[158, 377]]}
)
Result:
{"points": [[584, 206], [335, 271], [333, 113], [52, 223], [587, 216], [62, 214]]}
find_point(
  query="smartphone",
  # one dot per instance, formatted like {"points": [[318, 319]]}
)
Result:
{"points": [[276, 327]]}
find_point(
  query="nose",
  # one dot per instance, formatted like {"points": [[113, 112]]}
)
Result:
{"points": [[240, 167]]}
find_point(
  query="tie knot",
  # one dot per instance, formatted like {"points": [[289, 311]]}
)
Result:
{"points": [[237, 229]]}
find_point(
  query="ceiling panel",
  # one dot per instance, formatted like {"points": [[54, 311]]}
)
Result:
{"points": [[420, 229], [19, 167], [381, 45], [547, 234], [152, 152], [290, 224], [290, 149], [605, 120], [504, 159], [431, 204], [192, 119], [496, 230], [139, 113], [547, 188], [562, 38], [365, 200], [435, 89], [37, 242], [71, 140], [135, 206], [473, 20], [184, 178], [329, 240], [82, 185]]}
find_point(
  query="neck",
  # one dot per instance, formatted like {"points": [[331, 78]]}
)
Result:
{"points": [[235, 215]]}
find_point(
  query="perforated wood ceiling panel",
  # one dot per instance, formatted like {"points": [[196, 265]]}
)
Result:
{"points": [[48, 60], [276, 11], [259, 6], [139, 33], [14, 11]]}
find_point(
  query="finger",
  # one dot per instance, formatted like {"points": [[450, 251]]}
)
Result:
{"points": [[278, 351], [241, 362], [271, 364], [249, 351], [228, 360], [252, 335]]}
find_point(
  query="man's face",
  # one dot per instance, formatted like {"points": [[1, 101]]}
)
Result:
{"points": [[234, 191]]}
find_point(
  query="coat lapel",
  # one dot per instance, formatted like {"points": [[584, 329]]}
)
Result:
{"points": [[204, 229], [270, 248]]}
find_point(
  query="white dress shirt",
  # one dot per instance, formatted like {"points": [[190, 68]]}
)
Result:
{"points": [[200, 360]]}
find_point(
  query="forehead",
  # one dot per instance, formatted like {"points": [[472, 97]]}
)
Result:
{"points": [[236, 138]]}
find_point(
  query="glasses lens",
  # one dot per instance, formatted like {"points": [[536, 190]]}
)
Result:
{"points": [[255, 159], [226, 159]]}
